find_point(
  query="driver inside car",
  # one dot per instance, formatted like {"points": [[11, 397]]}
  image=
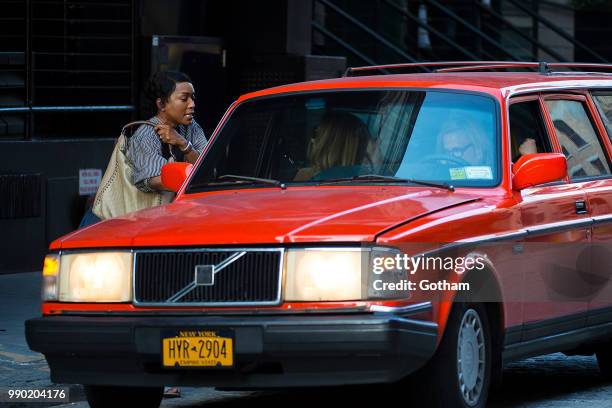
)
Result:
{"points": [[464, 143]]}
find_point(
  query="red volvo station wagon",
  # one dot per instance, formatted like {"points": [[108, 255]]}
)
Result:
{"points": [[376, 228]]}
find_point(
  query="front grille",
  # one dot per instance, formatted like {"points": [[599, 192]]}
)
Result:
{"points": [[253, 278]]}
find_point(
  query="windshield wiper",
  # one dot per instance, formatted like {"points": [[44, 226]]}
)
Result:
{"points": [[252, 179], [445, 186], [227, 179], [380, 177]]}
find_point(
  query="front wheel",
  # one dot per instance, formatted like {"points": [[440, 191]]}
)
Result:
{"points": [[459, 374], [101, 396]]}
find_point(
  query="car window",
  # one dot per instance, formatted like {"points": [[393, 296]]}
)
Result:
{"points": [[578, 139], [527, 130], [321, 136], [603, 101], [454, 140]]}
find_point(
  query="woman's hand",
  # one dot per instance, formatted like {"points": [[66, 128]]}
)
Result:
{"points": [[168, 134], [528, 146]]}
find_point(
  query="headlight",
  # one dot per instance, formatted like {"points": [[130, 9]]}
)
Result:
{"points": [[323, 274], [338, 274], [95, 277]]}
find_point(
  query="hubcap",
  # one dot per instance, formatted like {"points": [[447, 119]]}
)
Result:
{"points": [[471, 357]]}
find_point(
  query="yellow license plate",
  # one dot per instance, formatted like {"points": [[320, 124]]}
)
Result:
{"points": [[198, 348]]}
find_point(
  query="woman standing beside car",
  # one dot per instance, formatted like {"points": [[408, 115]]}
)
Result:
{"points": [[171, 134]]}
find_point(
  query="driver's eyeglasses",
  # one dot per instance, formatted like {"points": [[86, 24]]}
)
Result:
{"points": [[458, 151]]}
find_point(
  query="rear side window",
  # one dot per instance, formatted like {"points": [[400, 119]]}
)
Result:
{"points": [[578, 139], [603, 101]]}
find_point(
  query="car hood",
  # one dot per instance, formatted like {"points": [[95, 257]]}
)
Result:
{"points": [[269, 216]]}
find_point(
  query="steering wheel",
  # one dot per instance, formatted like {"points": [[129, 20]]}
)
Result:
{"points": [[441, 158]]}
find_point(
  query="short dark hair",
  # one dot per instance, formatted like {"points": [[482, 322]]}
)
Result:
{"points": [[161, 85]]}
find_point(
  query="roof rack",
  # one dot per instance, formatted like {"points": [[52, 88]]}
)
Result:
{"points": [[476, 66]]}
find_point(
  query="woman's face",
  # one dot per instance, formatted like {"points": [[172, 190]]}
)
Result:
{"points": [[180, 106], [457, 144]]}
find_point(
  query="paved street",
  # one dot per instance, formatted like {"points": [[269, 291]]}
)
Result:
{"points": [[544, 382], [19, 300]]}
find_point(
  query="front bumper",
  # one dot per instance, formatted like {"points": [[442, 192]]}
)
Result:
{"points": [[270, 351]]}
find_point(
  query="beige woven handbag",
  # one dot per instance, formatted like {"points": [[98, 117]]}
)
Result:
{"points": [[117, 195]]}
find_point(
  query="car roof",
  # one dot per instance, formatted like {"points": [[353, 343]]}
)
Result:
{"points": [[495, 83]]}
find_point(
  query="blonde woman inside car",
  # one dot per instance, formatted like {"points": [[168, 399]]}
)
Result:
{"points": [[465, 141], [338, 148]]}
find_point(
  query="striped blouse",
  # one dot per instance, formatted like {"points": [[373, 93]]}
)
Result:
{"points": [[145, 151]]}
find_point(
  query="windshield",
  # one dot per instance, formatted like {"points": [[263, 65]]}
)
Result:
{"points": [[434, 136]]}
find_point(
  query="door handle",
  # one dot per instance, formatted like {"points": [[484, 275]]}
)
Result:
{"points": [[581, 207]]}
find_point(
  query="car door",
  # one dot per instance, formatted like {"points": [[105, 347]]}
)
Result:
{"points": [[558, 225], [599, 194]]}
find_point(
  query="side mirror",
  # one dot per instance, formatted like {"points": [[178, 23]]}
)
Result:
{"points": [[173, 175], [538, 168]]}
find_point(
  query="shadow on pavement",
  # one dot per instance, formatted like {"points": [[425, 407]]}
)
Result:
{"points": [[548, 381]]}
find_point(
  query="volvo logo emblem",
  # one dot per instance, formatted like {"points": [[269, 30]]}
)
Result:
{"points": [[205, 275]]}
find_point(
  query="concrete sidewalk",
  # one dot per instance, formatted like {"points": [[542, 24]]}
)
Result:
{"points": [[19, 301]]}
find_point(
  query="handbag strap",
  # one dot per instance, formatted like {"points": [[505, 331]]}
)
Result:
{"points": [[138, 123]]}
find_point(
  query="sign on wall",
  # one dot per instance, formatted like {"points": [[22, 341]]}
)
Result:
{"points": [[89, 180]]}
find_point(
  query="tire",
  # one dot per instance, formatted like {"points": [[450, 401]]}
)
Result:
{"points": [[604, 359], [100, 396], [459, 374]]}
